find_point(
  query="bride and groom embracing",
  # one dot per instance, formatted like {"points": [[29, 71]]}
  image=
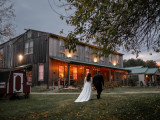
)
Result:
{"points": [[86, 93]]}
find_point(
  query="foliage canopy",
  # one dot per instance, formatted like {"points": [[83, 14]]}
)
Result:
{"points": [[133, 24], [139, 62], [6, 16]]}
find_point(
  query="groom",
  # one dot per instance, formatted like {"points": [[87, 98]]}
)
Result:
{"points": [[98, 83]]}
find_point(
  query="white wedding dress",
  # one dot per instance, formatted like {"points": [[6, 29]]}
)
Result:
{"points": [[86, 93]]}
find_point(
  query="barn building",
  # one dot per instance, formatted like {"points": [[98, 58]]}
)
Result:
{"points": [[44, 58]]}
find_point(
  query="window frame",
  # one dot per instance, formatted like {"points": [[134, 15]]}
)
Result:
{"points": [[87, 54], [29, 49], [39, 72], [61, 48], [29, 34], [87, 71], [75, 74], [102, 60], [117, 59], [1, 49], [59, 72]]}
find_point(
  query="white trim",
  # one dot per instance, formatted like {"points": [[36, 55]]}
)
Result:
{"points": [[14, 87], [3, 84], [7, 87], [8, 83]]}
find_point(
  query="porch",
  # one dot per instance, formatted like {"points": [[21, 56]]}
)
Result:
{"points": [[66, 72]]}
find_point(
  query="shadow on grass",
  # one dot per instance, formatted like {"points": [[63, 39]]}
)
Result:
{"points": [[109, 107]]}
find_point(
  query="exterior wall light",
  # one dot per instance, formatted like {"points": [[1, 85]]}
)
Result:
{"points": [[69, 55], [20, 57], [95, 59], [114, 63]]}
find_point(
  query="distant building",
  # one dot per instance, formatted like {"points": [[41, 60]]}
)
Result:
{"points": [[146, 76], [44, 57]]}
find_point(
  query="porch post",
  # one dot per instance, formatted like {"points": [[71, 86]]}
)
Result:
{"points": [[110, 76], [119, 74], [114, 76], [69, 73]]}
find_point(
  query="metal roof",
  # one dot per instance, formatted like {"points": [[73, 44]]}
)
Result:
{"points": [[72, 61], [141, 70], [24, 66], [130, 68], [151, 70]]}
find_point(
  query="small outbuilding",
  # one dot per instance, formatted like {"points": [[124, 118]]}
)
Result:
{"points": [[146, 76], [13, 82]]}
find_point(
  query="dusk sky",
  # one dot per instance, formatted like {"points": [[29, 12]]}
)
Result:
{"points": [[38, 15]]}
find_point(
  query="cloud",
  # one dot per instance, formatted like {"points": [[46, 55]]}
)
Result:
{"points": [[144, 55], [37, 14]]}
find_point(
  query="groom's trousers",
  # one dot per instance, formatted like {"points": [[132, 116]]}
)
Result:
{"points": [[99, 90]]}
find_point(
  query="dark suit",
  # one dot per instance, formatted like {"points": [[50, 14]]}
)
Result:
{"points": [[98, 82]]}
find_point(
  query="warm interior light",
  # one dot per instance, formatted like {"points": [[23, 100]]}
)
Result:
{"points": [[69, 55], [74, 73], [95, 59], [114, 63], [87, 71], [20, 57], [111, 77], [146, 76], [61, 71], [124, 77]]}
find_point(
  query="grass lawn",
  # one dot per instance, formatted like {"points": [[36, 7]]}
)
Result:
{"points": [[38, 89], [116, 89], [62, 107], [130, 89]]}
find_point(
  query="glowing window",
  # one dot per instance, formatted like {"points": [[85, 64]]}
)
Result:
{"points": [[29, 76], [41, 72], [74, 73], [87, 71], [61, 71]]}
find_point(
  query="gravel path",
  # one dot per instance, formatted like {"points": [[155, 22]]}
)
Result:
{"points": [[65, 93]]}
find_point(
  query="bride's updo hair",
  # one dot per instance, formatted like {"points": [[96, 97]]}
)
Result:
{"points": [[89, 77]]}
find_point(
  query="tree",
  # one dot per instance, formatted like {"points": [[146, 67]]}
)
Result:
{"points": [[6, 17], [134, 62], [151, 64], [139, 62], [133, 24]]}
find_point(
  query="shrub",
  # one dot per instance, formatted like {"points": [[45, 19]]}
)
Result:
{"points": [[111, 84], [132, 81], [124, 82], [78, 84]]}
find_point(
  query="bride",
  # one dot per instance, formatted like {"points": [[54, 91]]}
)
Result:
{"points": [[86, 93]]}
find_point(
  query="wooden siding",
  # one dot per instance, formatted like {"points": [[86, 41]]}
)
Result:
{"points": [[54, 50], [45, 45], [40, 55], [39, 49], [7, 61]]}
